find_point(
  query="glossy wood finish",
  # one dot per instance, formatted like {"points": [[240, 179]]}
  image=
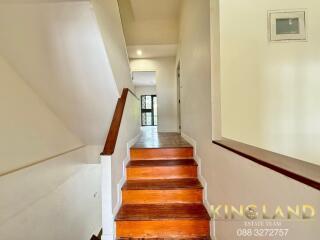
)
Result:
{"points": [[161, 184], [301, 171], [161, 153], [162, 172], [116, 122], [162, 163], [188, 190], [169, 229], [97, 237], [153, 212], [162, 198], [150, 138], [168, 238]]}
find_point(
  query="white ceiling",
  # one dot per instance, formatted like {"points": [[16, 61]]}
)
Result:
{"points": [[151, 25], [142, 78], [152, 51], [155, 10], [39, 1]]}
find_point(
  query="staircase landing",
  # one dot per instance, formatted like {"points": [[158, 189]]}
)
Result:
{"points": [[151, 138]]}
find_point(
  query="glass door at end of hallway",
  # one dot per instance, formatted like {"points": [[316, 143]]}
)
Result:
{"points": [[149, 114]]}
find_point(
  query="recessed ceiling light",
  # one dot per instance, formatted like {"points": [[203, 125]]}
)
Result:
{"points": [[139, 52]]}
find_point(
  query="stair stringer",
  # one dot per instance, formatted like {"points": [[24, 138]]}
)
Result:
{"points": [[124, 174], [109, 216], [202, 180]]}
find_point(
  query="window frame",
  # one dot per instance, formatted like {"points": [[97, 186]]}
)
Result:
{"points": [[148, 110]]}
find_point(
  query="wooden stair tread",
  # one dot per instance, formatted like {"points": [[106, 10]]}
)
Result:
{"points": [[161, 153], [163, 184], [162, 197], [154, 212], [177, 238], [162, 163], [187, 145]]}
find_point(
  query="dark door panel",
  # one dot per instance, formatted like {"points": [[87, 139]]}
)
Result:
{"points": [[149, 116]]}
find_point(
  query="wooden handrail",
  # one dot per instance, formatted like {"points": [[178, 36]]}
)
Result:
{"points": [[304, 172], [98, 237], [116, 122]]}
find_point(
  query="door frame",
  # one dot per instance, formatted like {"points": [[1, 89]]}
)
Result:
{"points": [[148, 110], [178, 76]]}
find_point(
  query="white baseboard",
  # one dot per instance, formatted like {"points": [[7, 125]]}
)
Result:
{"points": [[200, 176], [124, 174], [167, 130], [202, 180], [123, 179]]}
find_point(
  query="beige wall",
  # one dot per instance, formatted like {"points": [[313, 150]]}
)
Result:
{"points": [[215, 69], [54, 77], [270, 91], [166, 89], [108, 15], [194, 56], [57, 199], [58, 50], [30, 132], [129, 130], [44, 193], [145, 90], [230, 178]]}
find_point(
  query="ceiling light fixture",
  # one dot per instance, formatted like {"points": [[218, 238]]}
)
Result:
{"points": [[139, 52]]}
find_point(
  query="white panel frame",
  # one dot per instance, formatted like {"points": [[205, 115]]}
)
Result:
{"points": [[282, 14], [203, 181]]}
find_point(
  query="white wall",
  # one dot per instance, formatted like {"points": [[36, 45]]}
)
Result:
{"points": [[166, 89], [194, 56], [215, 68], [108, 15], [57, 199], [145, 90], [57, 93], [129, 130], [113, 168], [64, 190], [231, 179], [30, 132], [58, 50], [270, 90]]}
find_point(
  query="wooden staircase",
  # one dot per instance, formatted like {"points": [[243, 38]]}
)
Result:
{"points": [[162, 198]]}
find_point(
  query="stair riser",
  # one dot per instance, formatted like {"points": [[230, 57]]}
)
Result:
{"points": [[161, 153], [162, 229], [161, 196], [154, 238], [171, 172]]}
